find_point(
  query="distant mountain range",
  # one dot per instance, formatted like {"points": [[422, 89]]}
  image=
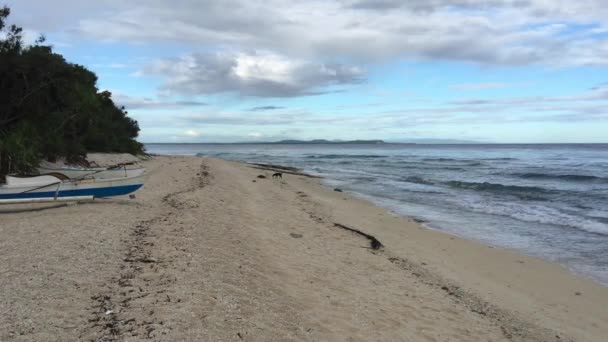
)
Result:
{"points": [[375, 141], [325, 141], [352, 142], [436, 141]]}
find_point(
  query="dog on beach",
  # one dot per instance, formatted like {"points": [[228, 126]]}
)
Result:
{"points": [[277, 175]]}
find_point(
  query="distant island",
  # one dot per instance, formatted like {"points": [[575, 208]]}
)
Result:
{"points": [[339, 142], [324, 141]]}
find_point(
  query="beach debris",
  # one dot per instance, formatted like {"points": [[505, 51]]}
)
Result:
{"points": [[577, 293], [295, 236], [254, 180], [337, 190], [109, 312], [374, 243], [144, 259], [132, 196], [261, 176]]}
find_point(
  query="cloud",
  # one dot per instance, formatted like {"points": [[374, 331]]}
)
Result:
{"points": [[509, 32], [264, 108], [260, 74], [600, 86], [192, 133], [434, 5], [599, 93], [494, 32], [131, 103], [239, 118], [588, 106]]}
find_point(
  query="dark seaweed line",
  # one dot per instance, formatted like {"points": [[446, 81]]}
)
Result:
{"points": [[374, 243]]}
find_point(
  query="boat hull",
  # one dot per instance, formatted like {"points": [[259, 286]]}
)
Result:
{"points": [[100, 173], [97, 193], [98, 188]]}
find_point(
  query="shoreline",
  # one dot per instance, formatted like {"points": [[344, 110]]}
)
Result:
{"points": [[209, 251], [454, 281], [428, 224]]}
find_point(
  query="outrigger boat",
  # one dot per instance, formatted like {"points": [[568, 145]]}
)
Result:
{"points": [[119, 171], [56, 187]]}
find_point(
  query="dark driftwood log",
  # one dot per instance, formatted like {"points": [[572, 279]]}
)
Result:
{"points": [[374, 243]]}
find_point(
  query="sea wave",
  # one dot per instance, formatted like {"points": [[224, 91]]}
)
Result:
{"points": [[425, 165], [530, 193], [342, 156], [542, 214], [444, 159], [417, 180], [487, 186], [364, 178], [440, 162], [600, 219], [566, 177]]}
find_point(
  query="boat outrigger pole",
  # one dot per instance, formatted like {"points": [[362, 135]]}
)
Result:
{"points": [[46, 200]]}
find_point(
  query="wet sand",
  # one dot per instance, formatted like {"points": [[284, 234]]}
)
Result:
{"points": [[208, 251]]}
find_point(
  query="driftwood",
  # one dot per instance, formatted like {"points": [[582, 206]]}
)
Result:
{"points": [[374, 243], [283, 169]]}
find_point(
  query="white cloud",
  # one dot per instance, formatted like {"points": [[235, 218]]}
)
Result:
{"points": [[588, 106], [261, 74], [256, 135], [192, 133], [132, 102], [507, 32]]}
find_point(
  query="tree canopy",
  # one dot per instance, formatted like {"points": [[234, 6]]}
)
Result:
{"points": [[51, 108]]}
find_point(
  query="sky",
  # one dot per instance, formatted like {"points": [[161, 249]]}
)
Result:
{"points": [[511, 71]]}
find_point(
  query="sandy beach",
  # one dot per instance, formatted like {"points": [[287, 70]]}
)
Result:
{"points": [[207, 251]]}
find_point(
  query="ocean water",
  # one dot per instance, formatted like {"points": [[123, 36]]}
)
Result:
{"points": [[549, 201]]}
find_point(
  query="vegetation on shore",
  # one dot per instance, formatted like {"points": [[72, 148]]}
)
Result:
{"points": [[50, 108]]}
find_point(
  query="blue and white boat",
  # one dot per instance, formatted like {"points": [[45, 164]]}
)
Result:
{"points": [[58, 186], [120, 171]]}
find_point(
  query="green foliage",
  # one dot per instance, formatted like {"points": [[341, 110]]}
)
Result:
{"points": [[23, 153], [51, 108]]}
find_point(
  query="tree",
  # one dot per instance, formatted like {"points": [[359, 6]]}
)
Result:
{"points": [[51, 108]]}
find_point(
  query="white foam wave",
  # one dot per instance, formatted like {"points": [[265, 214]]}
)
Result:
{"points": [[539, 214]]}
